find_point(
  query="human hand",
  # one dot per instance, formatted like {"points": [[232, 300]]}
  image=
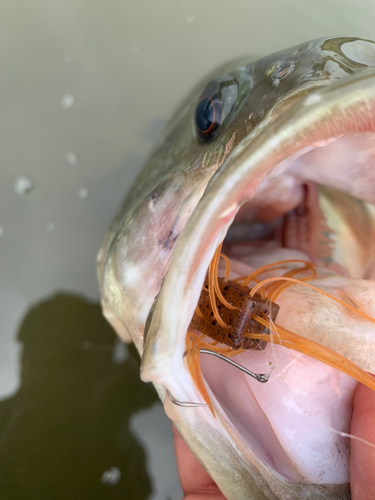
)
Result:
{"points": [[362, 456], [197, 484]]}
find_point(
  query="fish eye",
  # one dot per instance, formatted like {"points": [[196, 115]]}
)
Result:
{"points": [[213, 106], [208, 114]]}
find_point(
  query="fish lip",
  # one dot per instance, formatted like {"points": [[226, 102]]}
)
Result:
{"points": [[347, 107]]}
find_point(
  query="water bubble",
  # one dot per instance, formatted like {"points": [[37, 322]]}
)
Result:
{"points": [[67, 101], [71, 157], [134, 48], [190, 18], [1, 230], [111, 476], [23, 185], [50, 226], [83, 193], [120, 352], [68, 58]]}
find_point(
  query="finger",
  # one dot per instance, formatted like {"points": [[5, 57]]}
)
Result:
{"points": [[195, 482], [362, 456]]}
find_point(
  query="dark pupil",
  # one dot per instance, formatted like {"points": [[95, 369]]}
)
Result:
{"points": [[205, 115]]}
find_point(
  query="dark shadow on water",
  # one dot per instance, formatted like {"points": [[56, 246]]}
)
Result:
{"points": [[68, 423]]}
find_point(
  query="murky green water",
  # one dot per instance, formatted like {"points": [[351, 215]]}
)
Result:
{"points": [[69, 421]]}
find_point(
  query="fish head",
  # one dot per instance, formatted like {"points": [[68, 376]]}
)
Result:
{"points": [[249, 147]]}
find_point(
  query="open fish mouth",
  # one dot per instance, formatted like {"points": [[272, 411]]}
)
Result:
{"points": [[292, 209], [254, 413]]}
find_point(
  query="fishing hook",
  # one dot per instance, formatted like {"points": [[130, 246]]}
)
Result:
{"points": [[259, 377], [188, 404]]}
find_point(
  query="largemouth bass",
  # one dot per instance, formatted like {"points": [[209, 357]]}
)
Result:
{"points": [[276, 159]]}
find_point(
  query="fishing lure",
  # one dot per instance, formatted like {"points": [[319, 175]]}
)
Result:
{"points": [[238, 322], [240, 317]]}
